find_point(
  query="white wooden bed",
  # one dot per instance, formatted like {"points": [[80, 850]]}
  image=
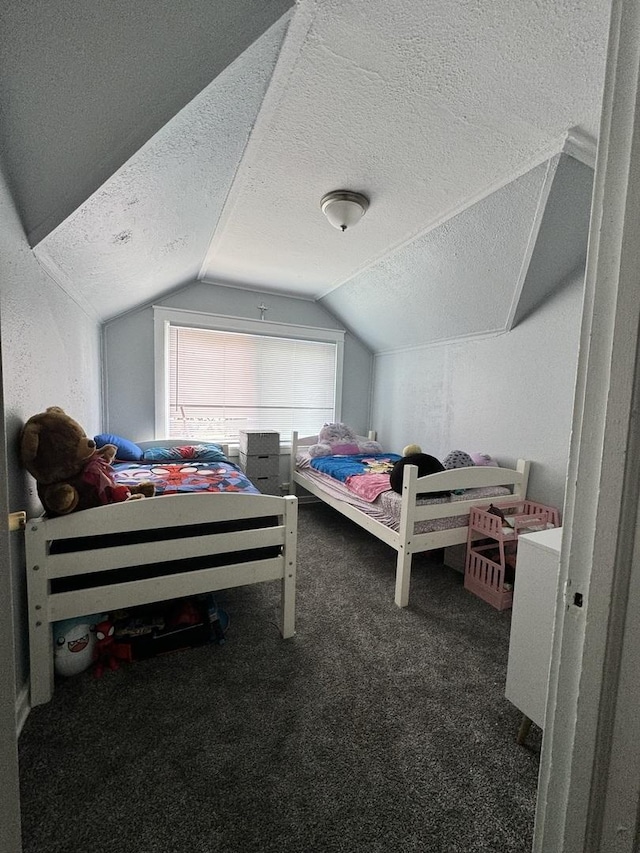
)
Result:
{"points": [[405, 540], [231, 540]]}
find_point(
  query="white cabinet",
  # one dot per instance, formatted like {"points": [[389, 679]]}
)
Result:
{"points": [[532, 619], [259, 453]]}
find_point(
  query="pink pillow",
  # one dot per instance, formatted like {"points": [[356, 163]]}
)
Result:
{"points": [[344, 449]]}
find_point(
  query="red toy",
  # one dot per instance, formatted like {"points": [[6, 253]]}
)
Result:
{"points": [[104, 654]]}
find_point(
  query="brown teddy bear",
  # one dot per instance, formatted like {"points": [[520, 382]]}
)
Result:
{"points": [[71, 473]]}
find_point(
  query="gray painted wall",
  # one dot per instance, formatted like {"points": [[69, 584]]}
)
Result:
{"points": [[509, 395], [50, 356], [128, 353]]}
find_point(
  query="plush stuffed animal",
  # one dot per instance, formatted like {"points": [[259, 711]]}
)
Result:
{"points": [[425, 464], [71, 474], [458, 459], [73, 644], [411, 449], [104, 653], [484, 459], [340, 440]]}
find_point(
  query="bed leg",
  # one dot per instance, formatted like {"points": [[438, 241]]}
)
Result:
{"points": [[288, 615], [40, 662], [40, 629], [403, 576]]}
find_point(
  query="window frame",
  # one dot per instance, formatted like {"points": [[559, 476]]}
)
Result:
{"points": [[164, 317]]}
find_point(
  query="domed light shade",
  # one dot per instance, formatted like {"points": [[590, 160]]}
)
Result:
{"points": [[344, 208]]}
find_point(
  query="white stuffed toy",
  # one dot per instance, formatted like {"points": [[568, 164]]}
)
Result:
{"points": [[339, 440]]}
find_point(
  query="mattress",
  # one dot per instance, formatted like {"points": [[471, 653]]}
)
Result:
{"points": [[387, 506]]}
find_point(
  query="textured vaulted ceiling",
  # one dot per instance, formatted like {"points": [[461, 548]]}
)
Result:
{"points": [[85, 84], [423, 106], [147, 229], [445, 113]]}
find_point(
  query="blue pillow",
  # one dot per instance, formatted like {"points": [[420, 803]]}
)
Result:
{"points": [[201, 452], [127, 450]]}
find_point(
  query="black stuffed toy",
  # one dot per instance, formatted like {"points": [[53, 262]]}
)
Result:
{"points": [[426, 464]]}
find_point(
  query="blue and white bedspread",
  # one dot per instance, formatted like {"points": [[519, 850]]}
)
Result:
{"points": [[343, 467], [364, 474]]}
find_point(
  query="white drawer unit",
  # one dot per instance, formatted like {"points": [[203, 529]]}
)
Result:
{"points": [[260, 459], [532, 620], [255, 442]]}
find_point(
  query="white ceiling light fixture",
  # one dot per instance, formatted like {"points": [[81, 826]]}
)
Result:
{"points": [[344, 208]]}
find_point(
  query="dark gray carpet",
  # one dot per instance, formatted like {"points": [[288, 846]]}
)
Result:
{"points": [[374, 729]]}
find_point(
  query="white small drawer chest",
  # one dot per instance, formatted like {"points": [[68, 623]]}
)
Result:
{"points": [[260, 459], [532, 621]]}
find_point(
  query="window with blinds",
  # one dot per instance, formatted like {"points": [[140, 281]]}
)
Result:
{"points": [[220, 382]]}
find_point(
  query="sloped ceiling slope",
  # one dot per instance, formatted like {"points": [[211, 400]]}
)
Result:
{"points": [[482, 271], [559, 246], [457, 280], [147, 228], [85, 84]]}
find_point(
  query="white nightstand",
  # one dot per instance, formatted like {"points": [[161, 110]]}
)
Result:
{"points": [[260, 459]]}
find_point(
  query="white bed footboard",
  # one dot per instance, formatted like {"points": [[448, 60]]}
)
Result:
{"points": [[412, 512], [72, 561]]}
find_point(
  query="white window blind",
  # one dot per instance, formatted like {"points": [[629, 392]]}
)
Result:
{"points": [[220, 382]]}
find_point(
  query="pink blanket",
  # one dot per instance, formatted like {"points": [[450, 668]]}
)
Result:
{"points": [[368, 486]]}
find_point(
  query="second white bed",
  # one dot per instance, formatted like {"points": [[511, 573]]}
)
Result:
{"points": [[408, 523]]}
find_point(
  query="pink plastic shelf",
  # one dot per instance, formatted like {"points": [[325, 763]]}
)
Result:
{"points": [[486, 563]]}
